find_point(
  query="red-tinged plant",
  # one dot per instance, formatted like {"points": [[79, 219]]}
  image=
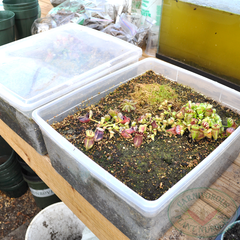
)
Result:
{"points": [[170, 120], [195, 131], [89, 139], [131, 130], [200, 134], [142, 119], [207, 133], [180, 114], [209, 111], [231, 123], [180, 130], [229, 131], [111, 132], [98, 134], [215, 131], [199, 119], [193, 121], [154, 125], [86, 118], [142, 128], [125, 120], [124, 133], [172, 131], [138, 139], [205, 124]]}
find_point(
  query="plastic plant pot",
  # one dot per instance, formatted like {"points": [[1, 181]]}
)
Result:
{"points": [[11, 175], [18, 1], [6, 152], [24, 21], [7, 31], [230, 226], [17, 190], [57, 219], [11, 180], [19, 8], [42, 194], [19, 5]]}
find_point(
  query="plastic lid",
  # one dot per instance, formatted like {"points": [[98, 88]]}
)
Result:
{"points": [[43, 67]]}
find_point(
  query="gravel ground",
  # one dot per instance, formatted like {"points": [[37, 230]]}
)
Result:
{"points": [[14, 212]]}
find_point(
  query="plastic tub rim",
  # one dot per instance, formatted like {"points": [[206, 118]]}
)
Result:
{"points": [[10, 157], [18, 9], [29, 13], [7, 22]]}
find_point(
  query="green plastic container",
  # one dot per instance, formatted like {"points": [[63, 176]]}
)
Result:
{"points": [[11, 180], [24, 20], [12, 7], [11, 175], [42, 194], [18, 1], [7, 31], [17, 190]]}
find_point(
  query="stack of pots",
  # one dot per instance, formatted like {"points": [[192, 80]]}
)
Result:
{"points": [[11, 180], [26, 12], [42, 194], [7, 31]]}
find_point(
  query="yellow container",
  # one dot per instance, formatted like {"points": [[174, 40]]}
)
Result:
{"points": [[202, 37]]}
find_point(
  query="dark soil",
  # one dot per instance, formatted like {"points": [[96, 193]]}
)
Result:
{"points": [[14, 212], [233, 233], [156, 166]]}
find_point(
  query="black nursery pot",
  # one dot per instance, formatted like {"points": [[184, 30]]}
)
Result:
{"points": [[232, 231]]}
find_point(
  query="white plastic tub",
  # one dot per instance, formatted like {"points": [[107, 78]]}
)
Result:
{"points": [[40, 68], [56, 221], [134, 216]]}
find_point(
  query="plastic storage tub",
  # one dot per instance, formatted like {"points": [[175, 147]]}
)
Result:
{"points": [[136, 217], [43, 67]]}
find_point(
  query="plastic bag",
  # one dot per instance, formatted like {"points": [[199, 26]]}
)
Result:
{"points": [[116, 31], [69, 11], [42, 25], [128, 31]]}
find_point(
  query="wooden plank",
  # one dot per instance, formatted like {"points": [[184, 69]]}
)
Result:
{"points": [[232, 175], [95, 221], [45, 6], [216, 199], [194, 222], [226, 187]]}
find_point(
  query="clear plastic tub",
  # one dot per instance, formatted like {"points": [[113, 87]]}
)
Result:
{"points": [[136, 217], [43, 67]]}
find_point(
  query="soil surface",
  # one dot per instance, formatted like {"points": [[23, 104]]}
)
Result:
{"points": [[233, 233], [14, 212], [155, 166]]}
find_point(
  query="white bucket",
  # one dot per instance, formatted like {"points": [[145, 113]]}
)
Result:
{"points": [[56, 221]]}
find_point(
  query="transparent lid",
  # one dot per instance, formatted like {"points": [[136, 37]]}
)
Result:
{"points": [[42, 67]]}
